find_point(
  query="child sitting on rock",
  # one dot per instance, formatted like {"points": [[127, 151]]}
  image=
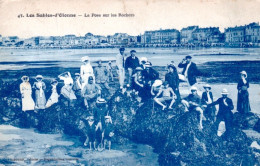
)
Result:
{"points": [[167, 95]]}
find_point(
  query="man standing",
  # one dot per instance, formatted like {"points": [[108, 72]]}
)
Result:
{"points": [[173, 79], [190, 70], [131, 63], [225, 107], [101, 75], [120, 63]]}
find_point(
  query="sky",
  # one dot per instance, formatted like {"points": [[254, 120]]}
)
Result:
{"points": [[148, 15]]}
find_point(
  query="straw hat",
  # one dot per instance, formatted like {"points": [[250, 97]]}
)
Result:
{"points": [[148, 64], [85, 58], [54, 81], [77, 74], [39, 76], [244, 73], [157, 83], [207, 86], [138, 69], [101, 100], [90, 117], [224, 92]]}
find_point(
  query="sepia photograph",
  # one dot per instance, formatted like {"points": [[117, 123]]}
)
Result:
{"points": [[130, 82]]}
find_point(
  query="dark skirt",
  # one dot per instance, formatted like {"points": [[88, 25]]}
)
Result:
{"points": [[243, 105]]}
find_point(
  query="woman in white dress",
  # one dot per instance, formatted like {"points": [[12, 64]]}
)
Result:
{"points": [[39, 87], [86, 70], [26, 92], [54, 95], [67, 90]]}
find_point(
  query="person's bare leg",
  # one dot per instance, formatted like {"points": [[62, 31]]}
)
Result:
{"points": [[109, 145], [172, 102], [90, 145], [201, 116], [186, 105], [105, 142], [158, 101], [95, 145]]}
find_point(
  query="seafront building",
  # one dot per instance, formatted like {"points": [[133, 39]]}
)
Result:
{"points": [[191, 36]]}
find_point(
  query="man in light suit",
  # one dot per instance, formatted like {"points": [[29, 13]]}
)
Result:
{"points": [[190, 70]]}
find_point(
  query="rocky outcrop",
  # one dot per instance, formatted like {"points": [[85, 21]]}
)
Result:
{"points": [[174, 134]]}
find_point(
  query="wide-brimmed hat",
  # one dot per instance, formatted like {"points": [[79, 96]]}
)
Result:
{"points": [[138, 69], [157, 83], [25, 78], [85, 58], [39, 76], [193, 88], [207, 86], [101, 100], [244, 73], [109, 61], [77, 74], [224, 92]]}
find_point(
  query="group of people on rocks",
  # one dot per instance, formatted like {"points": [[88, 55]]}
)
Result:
{"points": [[141, 78]]}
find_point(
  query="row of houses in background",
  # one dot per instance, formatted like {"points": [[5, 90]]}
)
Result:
{"points": [[248, 35]]}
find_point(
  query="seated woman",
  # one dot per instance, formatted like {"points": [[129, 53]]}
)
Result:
{"points": [[54, 95], [67, 90], [167, 95]]}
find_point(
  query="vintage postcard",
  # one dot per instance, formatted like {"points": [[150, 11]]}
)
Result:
{"points": [[130, 82]]}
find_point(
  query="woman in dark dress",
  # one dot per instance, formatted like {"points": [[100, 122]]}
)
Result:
{"points": [[243, 105]]}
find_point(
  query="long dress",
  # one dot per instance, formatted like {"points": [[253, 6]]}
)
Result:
{"points": [[243, 105], [86, 71], [39, 95], [53, 98], [27, 101]]}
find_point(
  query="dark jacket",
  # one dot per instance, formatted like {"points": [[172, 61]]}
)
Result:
{"points": [[241, 83], [172, 79], [131, 63], [152, 75], [204, 98], [193, 98], [223, 109], [192, 72]]}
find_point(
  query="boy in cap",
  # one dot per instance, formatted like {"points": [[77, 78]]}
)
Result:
{"points": [[225, 110], [131, 63], [207, 98], [108, 132], [193, 102], [167, 95]]}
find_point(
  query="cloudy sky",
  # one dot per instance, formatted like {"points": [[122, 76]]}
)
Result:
{"points": [[148, 15]]}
